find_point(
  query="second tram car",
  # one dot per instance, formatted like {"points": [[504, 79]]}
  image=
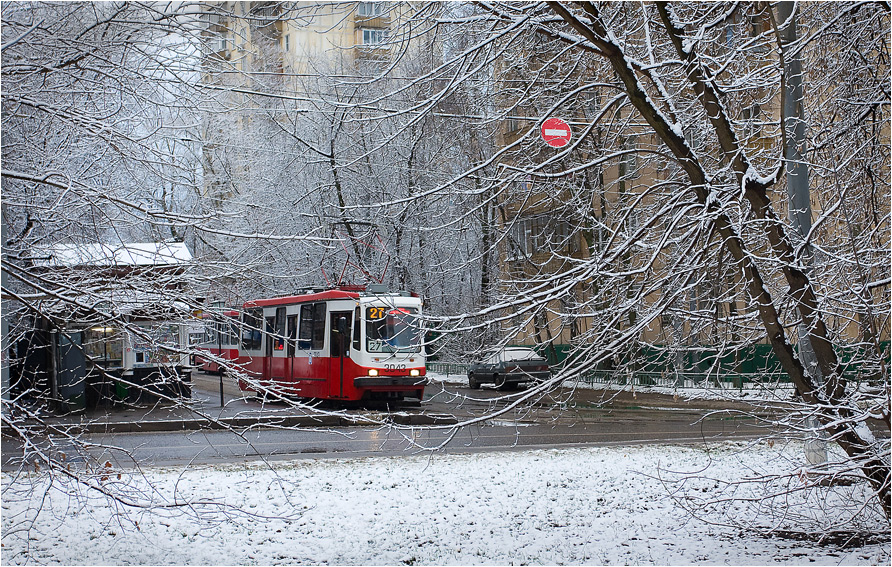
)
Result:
{"points": [[339, 344], [220, 340]]}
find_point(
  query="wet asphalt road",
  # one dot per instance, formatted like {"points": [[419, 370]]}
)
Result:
{"points": [[178, 448], [561, 420]]}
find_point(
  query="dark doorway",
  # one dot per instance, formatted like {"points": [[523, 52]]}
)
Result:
{"points": [[341, 322]]}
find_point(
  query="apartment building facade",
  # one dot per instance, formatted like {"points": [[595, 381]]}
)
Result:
{"points": [[566, 227], [260, 57]]}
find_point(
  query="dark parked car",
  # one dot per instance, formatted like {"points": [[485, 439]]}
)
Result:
{"points": [[509, 367]]}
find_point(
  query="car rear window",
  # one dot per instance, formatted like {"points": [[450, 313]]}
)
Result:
{"points": [[520, 354]]}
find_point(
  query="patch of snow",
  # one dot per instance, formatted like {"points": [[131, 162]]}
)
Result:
{"points": [[439, 378], [864, 432], [513, 424], [753, 175], [561, 506]]}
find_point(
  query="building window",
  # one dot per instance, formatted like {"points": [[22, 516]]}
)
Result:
{"points": [[628, 165], [537, 234], [758, 28], [373, 37], [518, 237], [218, 43], [370, 9], [596, 238], [752, 121], [757, 25], [287, 42]]}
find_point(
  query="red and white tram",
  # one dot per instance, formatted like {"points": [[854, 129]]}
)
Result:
{"points": [[339, 344], [220, 340]]}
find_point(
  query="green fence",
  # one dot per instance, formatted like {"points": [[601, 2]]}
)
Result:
{"points": [[687, 380], [448, 368], [746, 367]]}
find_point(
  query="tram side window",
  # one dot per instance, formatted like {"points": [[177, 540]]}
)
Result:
{"points": [[311, 331], [209, 333], [252, 331], [226, 334], [232, 335], [319, 326], [305, 331], [292, 334], [279, 342], [356, 330]]}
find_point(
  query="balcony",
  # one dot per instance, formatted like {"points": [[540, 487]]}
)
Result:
{"points": [[266, 20], [372, 15]]}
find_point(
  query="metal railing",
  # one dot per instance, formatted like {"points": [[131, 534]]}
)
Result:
{"points": [[448, 368], [680, 380], [688, 380]]}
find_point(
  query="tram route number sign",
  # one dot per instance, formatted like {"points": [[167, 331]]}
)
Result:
{"points": [[556, 132], [377, 313]]}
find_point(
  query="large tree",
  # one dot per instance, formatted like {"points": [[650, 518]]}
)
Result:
{"points": [[663, 230], [691, 123]]}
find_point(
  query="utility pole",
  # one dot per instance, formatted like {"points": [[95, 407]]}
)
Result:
{"points": [[5, 360], [798, 192]]}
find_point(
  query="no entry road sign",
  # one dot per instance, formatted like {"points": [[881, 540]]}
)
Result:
{"points": [[556, 132]]}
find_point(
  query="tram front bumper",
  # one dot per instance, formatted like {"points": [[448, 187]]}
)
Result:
{"points": [[379, 381]]}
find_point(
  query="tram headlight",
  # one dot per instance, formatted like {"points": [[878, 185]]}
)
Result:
{"points": [[373, 372], [414, 372]]}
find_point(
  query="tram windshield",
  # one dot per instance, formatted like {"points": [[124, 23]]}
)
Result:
{"points": [[392, 329]]}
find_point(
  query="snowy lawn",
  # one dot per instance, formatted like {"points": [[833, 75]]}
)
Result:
{"points": [[563, 506]]}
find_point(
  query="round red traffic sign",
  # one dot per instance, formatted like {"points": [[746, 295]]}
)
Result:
{"points": [[556, 133]]}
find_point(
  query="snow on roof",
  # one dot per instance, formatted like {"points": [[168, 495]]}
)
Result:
{"points": [[97, 254]]}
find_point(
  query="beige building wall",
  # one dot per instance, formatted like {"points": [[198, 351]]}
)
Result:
{"points": [[295, 37], [257, 51], [761, 135]]}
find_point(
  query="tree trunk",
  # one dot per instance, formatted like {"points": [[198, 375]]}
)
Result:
{"points": [[838, 426]]}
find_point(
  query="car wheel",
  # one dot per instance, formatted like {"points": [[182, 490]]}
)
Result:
{"points": [[472, 382], [499, 381]]}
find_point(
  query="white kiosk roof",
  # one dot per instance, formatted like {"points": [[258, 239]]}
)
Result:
{"points": [[108, 255]]}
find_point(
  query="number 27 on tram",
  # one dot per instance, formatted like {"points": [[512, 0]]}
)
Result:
{"points": [[335, 344]]}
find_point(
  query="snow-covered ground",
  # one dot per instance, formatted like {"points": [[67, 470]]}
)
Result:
{"points": [[561, 506]]}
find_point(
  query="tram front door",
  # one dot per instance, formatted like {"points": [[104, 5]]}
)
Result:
{"points": [[340, 325]]}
